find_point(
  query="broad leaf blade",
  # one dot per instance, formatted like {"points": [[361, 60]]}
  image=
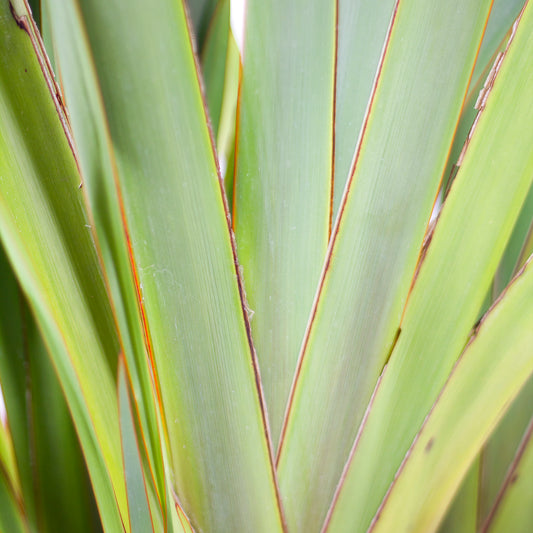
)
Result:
{"points": [[188, 290], [283, 173], [497, 455], [489, 374], [376, 243], [466, 246], [502, 15]]}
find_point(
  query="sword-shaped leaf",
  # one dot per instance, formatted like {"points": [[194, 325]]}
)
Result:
{"points": [[408, 130], [489, 374], [361, 32], [188, 289], [466, 246], [49, 241], [513, 509], [283, 173]]}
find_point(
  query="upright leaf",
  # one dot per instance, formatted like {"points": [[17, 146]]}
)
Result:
{"points": [[361, 33], [181, 255], [47, 236], [465, 249], [46, 449], [376, 242], [283, 158], [139, 508], [513, 510], [495, 364]]}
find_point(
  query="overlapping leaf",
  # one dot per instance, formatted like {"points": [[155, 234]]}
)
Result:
{"points": [[465, 249], [188, 291], [376, 242]]}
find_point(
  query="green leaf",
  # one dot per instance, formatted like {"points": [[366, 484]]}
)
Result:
{"points": [[47, 236], [48, 455], [376, 243], [201, 13], [220, 69], [513, 508], [466, 246], [214, 61], [11, 515], [461, 516], [361, 32], [139, 509], [502, 15], [519, 247], [282, 189], [494, 366], [8, 464], [181, 254], [498, 454], [98, 167]]}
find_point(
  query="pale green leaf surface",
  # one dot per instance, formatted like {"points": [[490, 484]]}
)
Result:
{"points": [[69, 41], [501, 448], [376, 244], [139, 508], [361, 33], [181, 249], [470, 236], [461, 516], [518, 248], [494, 366], [181, 523], [283, 174], [214, 62], [514, 509], [45, 231], [502, 16]]}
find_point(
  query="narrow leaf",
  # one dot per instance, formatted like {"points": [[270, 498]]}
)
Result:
{"points": [[376, 243], [466, 246], [139, 509], [182, 258], [283, 158], [513, 509], [489, 374], [47, 236], [362, 29]]}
